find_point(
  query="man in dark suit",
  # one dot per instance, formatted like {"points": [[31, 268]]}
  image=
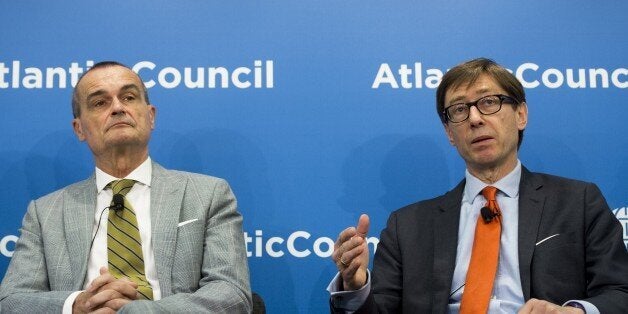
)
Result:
{"points": [[554, 246], [174, 243]]}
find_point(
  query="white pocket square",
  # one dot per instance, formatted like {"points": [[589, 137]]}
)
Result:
{"points": [[181, 224], [546, 239]]}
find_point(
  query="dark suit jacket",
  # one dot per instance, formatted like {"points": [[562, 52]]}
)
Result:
{"points": [[415, 259]]}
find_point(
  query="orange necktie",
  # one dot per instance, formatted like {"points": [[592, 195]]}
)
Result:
{"points": [[483, 266]]}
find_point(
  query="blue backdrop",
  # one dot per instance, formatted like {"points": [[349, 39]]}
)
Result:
{"points": [[314, 111]]}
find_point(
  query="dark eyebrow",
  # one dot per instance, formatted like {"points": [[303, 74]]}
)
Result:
{"points": [[95, 94], [461, 97], [127, 87], [455, 100]]}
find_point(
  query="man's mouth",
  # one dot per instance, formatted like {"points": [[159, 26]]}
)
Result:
{"points": [[481, 139], [118, 124]]}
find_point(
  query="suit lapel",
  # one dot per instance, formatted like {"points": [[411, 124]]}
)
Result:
{"points": [[446, 245], [167, 190], [79, 209], [531, 203]]}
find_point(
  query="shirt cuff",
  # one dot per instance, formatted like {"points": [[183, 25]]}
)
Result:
{"points": [[588, 307], [350, 301], [69, 302]]}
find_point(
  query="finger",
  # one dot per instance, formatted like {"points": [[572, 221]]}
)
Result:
{"points": [[344, 236], [129, 281], [348, 245], [349, 273], [109, 295], [104, 270], [542, 306], [349, 255], [354, 249], [363, 225], [126, 288], [116, 304], [103, 310], [100, 281], [81, 301], [98, 299], [528, 306]]}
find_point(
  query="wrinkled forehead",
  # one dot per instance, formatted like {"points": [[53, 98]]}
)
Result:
{"points": [[108, 79]]}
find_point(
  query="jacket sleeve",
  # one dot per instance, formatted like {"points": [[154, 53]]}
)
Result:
{"points": [[606, 255], [25, 287]]}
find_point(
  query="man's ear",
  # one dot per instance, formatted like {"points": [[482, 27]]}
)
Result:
{"points": [[78, 129], [522, 116], [151, 116]]}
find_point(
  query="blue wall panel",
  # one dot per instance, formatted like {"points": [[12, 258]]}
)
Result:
{"points": [[309, 153]]}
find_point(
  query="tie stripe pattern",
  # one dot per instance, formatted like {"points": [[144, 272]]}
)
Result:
{"points": [[484, 259], [124, 244]]}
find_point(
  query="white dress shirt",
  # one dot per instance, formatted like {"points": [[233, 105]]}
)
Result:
{"points": [[139, 197]]}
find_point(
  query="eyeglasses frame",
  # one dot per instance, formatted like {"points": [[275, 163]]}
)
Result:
{"points": [[501, 97]]}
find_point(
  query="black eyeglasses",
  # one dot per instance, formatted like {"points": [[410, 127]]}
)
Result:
{"points": [[486, 105]]}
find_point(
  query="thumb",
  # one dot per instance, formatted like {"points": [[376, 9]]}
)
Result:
{"points": [[363, 225]]}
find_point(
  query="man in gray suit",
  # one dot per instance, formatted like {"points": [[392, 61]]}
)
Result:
{"points": [[188, 232], [559, 247]]}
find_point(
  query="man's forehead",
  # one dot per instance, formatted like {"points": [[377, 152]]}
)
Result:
{"points": [[471, 89], [108, 77]]}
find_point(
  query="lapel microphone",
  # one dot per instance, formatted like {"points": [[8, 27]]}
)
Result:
{"points": [[488, 214], [118, 205], [118, 202]]}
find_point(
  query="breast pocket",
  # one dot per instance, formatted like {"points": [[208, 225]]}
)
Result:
{"points": [[559, 260], [556, 240]]}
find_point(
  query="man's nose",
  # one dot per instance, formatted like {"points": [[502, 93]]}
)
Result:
{"points": [[475, 117], [117, 106]]}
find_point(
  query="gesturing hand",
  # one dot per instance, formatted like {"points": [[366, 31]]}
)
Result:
{"points": [[351, 254]]}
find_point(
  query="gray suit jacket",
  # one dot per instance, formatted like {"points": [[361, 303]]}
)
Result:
{"points": [[586, 259], [201, 266]]}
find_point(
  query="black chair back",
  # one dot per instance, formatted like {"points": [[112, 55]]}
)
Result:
{"points": [[258, 304]]}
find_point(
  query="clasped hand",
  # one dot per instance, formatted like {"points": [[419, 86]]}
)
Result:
{"points": [[105, 294]]}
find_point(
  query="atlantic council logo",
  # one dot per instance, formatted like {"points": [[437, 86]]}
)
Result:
{"points": [[622, 214], [261, 75], [530, 74]]}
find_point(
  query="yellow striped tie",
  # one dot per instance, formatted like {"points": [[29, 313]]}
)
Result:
{"points": [[124, 244]]}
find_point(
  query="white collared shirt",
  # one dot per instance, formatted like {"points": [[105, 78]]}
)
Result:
{"points": [[139, 197]]}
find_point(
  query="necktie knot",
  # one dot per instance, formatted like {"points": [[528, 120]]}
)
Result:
{"points": [[121, 186], [489, 193]]}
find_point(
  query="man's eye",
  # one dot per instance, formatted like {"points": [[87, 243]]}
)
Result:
{"points": [[98, 103], [128, 98], [490, 101], [459, 108]]}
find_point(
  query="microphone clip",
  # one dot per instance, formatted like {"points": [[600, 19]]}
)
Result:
{"points": [[488, 214], [118, 202]]}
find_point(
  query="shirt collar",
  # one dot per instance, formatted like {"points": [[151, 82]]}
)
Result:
{"points": [[141, 174], [508, 185]]}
